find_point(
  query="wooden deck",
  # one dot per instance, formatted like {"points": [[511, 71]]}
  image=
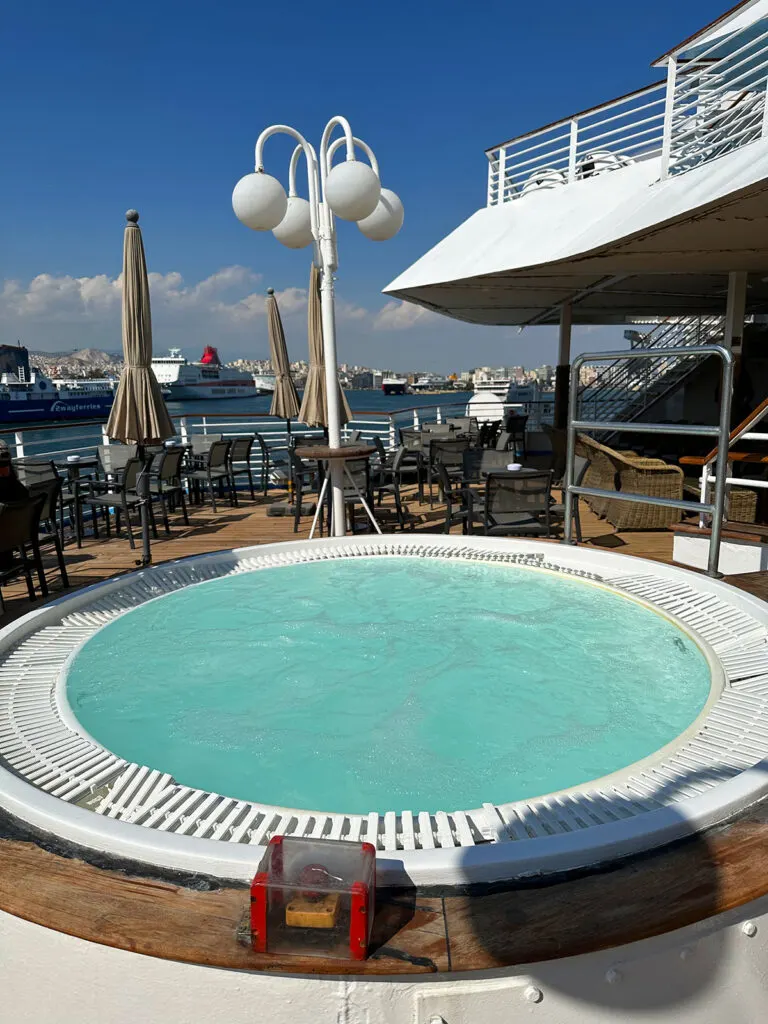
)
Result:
{"points": [[251, 524]]}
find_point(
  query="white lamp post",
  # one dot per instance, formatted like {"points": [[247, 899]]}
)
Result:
{"points": [[350, 190]]}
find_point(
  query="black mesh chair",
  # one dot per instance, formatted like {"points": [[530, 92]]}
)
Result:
{"points": [[19, 527], [120, 495], [461, 506], [165, 483], [518, 503], [479, 462], [214, 472], [360, 471], [388, 482], [450, 453], [413, 441], [113, 458], [305, 478], [515, 425], [240, 462], [48, 531]]}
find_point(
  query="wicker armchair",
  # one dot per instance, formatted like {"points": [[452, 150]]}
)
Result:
{"points": [[625, 471]]}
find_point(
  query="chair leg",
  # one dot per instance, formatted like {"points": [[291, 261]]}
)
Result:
{"points": [[27, 575], [232, 485], [164, 507], [265, 474], [38, 562], [128, 526], [297, 505], [250, 484], [94, 522], [60, 560], [212, 490], [152, 520], [577, 517], [184, 506]]}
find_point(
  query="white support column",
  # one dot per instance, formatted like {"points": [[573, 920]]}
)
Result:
{"points": [[734, 311]]}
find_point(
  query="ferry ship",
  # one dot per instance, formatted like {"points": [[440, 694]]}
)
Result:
{"points": [[394, 385], [28, 396], [182, 381]]}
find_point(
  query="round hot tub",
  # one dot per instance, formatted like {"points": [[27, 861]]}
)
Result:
{"points": [[472, 707]]}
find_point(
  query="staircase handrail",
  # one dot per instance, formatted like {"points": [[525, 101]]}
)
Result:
{"points": [[737, 434]]}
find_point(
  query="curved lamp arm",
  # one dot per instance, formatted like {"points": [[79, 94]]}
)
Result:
{"points": [[312, 175], [343, 123], [334, 146]]}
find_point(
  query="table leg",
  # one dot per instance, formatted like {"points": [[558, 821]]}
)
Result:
{"points": [[319, 506]]}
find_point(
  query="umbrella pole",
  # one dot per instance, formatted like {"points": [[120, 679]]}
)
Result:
{"points": [[142, 489]]}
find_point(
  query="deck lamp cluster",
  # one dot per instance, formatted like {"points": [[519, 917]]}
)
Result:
{"points": [[349, 189]]}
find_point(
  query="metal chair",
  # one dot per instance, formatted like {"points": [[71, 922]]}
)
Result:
{"points": [[165, 483], [19, 525], [517, 504], [240, 453], [478, 462], [449, 452], [215, 473], [389, 483], [360, 471], [120, 495], [460, 504], [304, 477], [48, 531]]}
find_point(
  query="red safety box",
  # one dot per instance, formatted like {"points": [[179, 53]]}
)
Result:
{"points": [[314, 897]]}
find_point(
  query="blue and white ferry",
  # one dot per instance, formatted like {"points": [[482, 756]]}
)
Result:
{"points": [[28, 396]]}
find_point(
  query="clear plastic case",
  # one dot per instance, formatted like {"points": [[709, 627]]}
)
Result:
{"points": [[314, 897]]}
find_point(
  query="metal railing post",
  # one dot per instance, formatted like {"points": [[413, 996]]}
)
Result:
{"points": [[415, 419], [669, 109], [18, 440], [205, 425], [500, 188], [104, 434], [392, 433], [573, 145], [721, 463], [184, 432], [438, 415]]}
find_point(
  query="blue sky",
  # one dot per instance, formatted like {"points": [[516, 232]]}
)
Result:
{"points": [[158, 105]]}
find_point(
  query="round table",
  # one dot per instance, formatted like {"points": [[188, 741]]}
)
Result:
{"points": [[346, 453]]}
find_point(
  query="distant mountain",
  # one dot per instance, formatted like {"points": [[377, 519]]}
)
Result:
{"points": [[83, 355]]}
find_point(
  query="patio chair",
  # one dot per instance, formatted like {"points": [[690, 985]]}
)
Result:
{"points": [[240, 462], [354, 436], [413, 461], [120, 495], [19, 523], [385, 458], [215, 472], [305, 476], [388, 482], [460, 504], [437, 429], [449, 452], [165, 483], [503, 441], [360, 471], [516, 504], [488, 434], [48, 531], [113, 458], [613, 470], [515, 425]]}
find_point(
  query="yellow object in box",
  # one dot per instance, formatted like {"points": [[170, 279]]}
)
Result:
{"points": [[303, 912]]}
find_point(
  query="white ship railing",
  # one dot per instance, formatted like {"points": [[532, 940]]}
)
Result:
{"points": [[606, 137], [708, 106], [716, 101]]}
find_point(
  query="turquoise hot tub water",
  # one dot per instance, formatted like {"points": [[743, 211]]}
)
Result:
{"points": [[388, 683]]}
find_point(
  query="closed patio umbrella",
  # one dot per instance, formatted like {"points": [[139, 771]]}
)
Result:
{"points": [[139, 415], [285, 399], [314, 407]]}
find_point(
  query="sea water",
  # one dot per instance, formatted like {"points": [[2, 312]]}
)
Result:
{"points": [[388, 683]]}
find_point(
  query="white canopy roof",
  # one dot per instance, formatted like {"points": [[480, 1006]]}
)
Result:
{"points": [[618, 246]]}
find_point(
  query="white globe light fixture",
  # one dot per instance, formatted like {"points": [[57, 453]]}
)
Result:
{"points": [[386, 220], [352, 189], [295, 229], [259, 201]]}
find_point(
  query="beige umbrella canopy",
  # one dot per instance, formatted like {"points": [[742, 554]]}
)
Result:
{"points": [[139, 415], [285, 400], [314, 407]]}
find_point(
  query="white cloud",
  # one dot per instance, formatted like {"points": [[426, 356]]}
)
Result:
{"points": [[400, 316]]}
